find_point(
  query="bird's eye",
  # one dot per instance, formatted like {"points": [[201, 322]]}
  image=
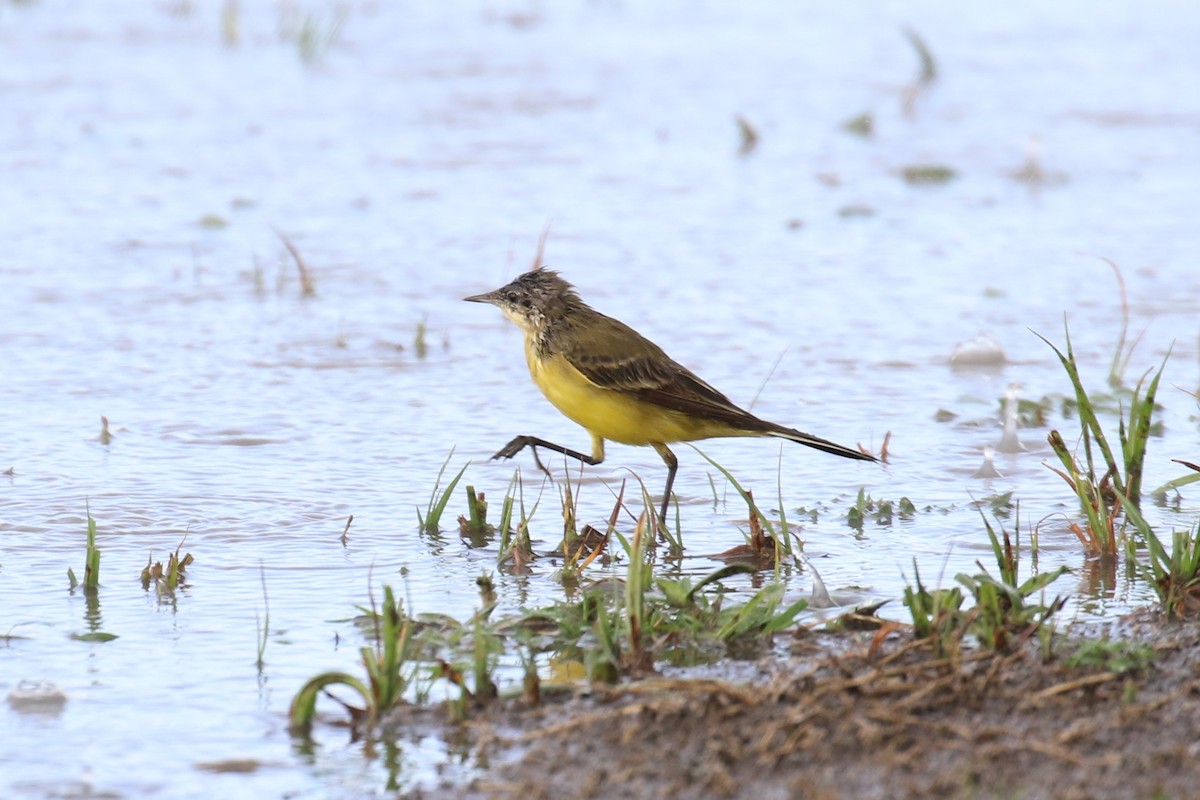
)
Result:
{"points": [[512, 297]]}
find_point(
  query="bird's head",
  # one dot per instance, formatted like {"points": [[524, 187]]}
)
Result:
{"points": [[533, 298]]}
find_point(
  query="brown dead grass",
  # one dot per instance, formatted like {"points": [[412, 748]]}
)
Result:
{"points": [[886, 721]]}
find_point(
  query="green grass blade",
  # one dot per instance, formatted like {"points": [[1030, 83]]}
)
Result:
{"points": [[1140, 412], [1172, 485], [304, 705], [1041, 581], [1087, 412], [430, 521], [753, 506]]}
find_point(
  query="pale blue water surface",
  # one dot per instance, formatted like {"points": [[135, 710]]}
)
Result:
{"points": [[413, 157]]}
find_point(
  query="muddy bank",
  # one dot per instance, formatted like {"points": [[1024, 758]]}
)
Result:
{"points": [[884, 719]]}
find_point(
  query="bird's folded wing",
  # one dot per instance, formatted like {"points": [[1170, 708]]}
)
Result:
{"points": [[624, 361]]}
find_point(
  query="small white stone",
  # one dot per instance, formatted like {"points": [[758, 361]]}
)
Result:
{"points": [[35, 696]]}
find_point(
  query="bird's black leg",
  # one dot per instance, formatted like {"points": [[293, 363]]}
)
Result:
{"points": [[521, 442], [672, 466]]}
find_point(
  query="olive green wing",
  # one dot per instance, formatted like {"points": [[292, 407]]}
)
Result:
{"points": [[614, 356]]}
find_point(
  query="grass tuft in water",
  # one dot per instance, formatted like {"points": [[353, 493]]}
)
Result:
{"points": [[935, 614], [882, 512], [430, 521], [263, 626], [166, 579], [861, 125], [388, 666], [763, 531], [928, 174], [747, 136], [515, 550], [1108, 479], [1174, 575], [590, 544], [91, 569], [1003, 607], [308, 286], [637, 581], [925, 77], [1003, 613], [420, 343], [311, 33], [230, 23], [474, 526]]}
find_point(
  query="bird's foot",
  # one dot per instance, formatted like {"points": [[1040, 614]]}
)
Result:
{"points": [[520, 443], [515, 446]]}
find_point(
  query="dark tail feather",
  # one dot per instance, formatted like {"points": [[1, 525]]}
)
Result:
{"points": [[820, 444]]}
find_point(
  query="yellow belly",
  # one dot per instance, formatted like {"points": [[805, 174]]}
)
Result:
{"points": [[610, 414]]}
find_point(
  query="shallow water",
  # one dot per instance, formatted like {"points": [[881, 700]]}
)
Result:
{"points": [[415, 162]]}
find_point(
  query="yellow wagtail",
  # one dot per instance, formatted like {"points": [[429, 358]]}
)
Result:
{"points": [[617, 384]]}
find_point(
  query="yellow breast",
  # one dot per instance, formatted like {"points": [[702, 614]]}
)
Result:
{"points": [[607, 413]]}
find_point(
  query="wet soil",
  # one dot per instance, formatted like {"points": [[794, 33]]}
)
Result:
{"points": [[865, 717]]}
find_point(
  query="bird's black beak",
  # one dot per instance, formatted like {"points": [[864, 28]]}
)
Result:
{"points": [[486, 297]]}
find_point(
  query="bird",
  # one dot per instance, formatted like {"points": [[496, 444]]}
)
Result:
{"points": [[617, 384]]}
